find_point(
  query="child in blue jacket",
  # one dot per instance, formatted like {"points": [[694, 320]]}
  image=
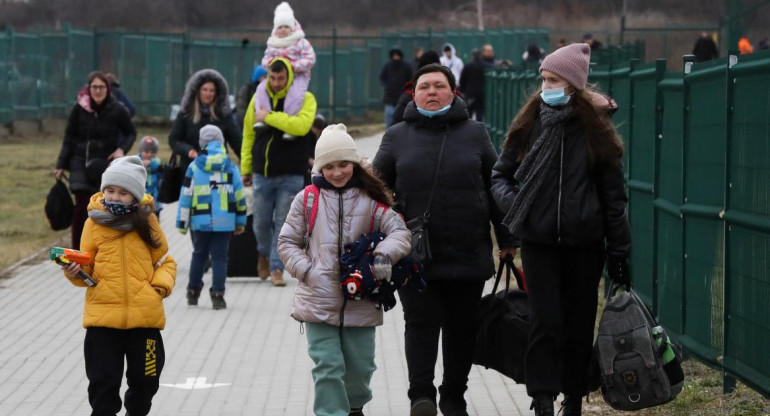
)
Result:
{"points": [[212, 205], [148, 151]]}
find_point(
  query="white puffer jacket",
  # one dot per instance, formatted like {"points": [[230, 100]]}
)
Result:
{"points": [[318, 297]]}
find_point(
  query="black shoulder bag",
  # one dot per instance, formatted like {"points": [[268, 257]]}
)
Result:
{"points": [[171, 184], [419, 225]]}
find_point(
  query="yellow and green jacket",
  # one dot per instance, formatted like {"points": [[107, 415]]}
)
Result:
{"points": [[127, 272], [270, 153]]}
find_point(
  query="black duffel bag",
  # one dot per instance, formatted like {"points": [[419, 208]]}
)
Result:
{"points": [[503, 329], [59, 206], [171, 184]]}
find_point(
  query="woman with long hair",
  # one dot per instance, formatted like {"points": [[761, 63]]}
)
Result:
{"points": [[560, 181], [204, 102]]}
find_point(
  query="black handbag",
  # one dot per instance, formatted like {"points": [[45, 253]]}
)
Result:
{"points": [[171, 184], [504, 326], [419, 225], [59, 206]]}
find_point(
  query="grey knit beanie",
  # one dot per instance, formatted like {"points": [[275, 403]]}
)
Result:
{"points": [[210, 133], [335, 144], [127, 172], [571, 63]]}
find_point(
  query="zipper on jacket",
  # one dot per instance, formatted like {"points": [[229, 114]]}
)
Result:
{"points": [[339, 256], [125, 281], [267, 151], [558, 206]]}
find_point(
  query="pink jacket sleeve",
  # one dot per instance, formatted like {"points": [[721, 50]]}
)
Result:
{"points": [[302, 56]]}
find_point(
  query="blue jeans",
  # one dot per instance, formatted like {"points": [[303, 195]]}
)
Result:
{"points": [[272, 201], [389, 110], [344, 365], [216, 244]]}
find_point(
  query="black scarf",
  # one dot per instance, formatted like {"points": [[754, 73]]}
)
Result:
{"points": [[531, 172]]}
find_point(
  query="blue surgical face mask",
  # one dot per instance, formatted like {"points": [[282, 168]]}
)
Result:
{"points": [[431, 114], [555, 96], [119, 209]]}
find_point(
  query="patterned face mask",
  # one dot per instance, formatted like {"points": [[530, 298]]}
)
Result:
{"points": [[120, 209]]}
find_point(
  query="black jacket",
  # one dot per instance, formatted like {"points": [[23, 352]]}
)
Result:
{"points": [[574, 206], [273, 154], [462, 205], [393, 76], [185, 134], [94, 135], [705, 50], [472, 81]]}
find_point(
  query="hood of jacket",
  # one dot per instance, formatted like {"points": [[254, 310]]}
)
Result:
{"points": [[221, 102], [275, 96], [457, 112], [214, 159], [452, 47]]}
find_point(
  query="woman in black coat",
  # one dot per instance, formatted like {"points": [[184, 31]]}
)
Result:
{"points": [[560, 181], [204, 102], [460, 213], [99, 129]]}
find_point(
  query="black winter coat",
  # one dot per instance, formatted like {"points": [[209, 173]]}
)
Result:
{"points": [[462, 205], [94, 135], [185, 134], [472, 81], [575, 205], [393, 76]]}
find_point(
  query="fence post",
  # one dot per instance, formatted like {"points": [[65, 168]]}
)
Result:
{"points": [[728, 381], [333, 92]]}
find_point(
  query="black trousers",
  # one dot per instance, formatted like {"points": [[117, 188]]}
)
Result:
{"points": [[451, 309], [562, 283], [105, 351]]}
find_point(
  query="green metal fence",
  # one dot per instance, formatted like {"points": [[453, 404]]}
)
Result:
{"points": [[40, 72], [698, 167]]}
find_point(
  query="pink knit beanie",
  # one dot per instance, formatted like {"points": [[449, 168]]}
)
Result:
{"points": [[571, 63]]}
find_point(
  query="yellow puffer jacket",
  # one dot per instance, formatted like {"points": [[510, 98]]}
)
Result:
{"points": [[127, 271]]}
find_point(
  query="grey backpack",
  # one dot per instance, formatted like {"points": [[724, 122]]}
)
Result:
{"points": [[639, 366]]}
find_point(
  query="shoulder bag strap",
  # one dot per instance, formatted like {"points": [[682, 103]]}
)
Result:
{"points": [[426, 214]]}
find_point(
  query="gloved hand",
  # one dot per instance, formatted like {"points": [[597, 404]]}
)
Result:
{"points": [[617, 269], [382, 268]]}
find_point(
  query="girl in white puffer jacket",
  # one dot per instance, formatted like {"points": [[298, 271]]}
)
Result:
{"points": [[340, 334]]}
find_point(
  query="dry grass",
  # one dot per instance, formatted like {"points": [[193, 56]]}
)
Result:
{"points": [[26, 175]]}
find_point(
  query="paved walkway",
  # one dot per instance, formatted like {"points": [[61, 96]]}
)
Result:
{"points": [[249, 359]]}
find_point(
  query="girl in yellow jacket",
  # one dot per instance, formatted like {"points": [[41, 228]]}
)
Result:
{"points": [[123, 312]]}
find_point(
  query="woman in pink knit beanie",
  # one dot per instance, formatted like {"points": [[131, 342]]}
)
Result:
{"points": [[560, 181]]}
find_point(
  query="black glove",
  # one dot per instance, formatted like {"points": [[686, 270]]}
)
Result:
{"points": [[617, 269]]}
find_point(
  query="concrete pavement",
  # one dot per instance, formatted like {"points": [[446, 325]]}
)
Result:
{"points": [[249, 359]]}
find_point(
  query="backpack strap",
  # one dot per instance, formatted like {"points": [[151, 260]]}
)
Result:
{"points": [[377, 214], [311, 196]]}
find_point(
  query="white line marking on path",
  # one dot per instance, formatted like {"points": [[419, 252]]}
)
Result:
{"points": [[195, 383]]}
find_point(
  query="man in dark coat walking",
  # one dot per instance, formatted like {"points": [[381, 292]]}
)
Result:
{"points": [[472, 85], [395, 73], [705, 49]]}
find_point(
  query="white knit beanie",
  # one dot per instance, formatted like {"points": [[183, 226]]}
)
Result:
{"points": [[127, 172], [284, 16], [335, 144]]}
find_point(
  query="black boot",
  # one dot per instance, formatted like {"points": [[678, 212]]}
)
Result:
{"points": [[543, 405], [356, 411], [192, 296], [571, 406], [218, 300]]}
